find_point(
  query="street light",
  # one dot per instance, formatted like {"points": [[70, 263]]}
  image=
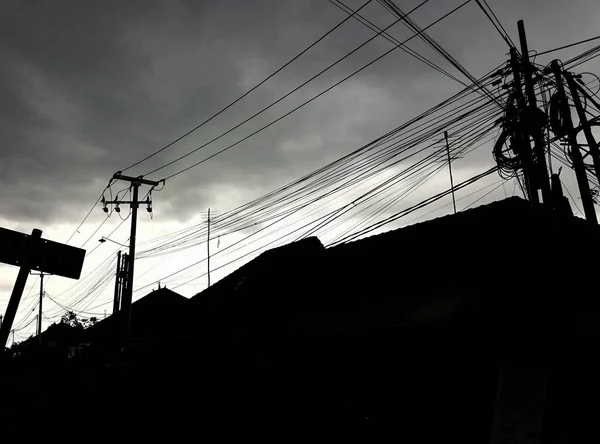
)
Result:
{"points": [[104, 239]]}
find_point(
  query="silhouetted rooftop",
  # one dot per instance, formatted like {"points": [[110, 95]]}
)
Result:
{"points": [[159, 311], [417, 274]]}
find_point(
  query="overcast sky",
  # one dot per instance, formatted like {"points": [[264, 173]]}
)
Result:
{"points": [[89, 87]]}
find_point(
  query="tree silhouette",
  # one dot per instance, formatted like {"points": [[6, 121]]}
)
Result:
{"points": [[70, 318]]}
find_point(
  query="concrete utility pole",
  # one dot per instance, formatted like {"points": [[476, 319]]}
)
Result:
{"points": [[522, 140], [584, 123], [578, 164], [135, 182], [533, 126]]}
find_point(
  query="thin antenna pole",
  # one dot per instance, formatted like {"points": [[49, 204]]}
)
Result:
{"points": [[118, 284], [39, 319], [450, 169], [208, 248]]}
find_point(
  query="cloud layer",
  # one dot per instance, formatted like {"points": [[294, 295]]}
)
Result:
{"points": [[89, 87]]}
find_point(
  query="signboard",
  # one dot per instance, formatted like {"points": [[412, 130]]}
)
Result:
{"points": [[22, 250]]}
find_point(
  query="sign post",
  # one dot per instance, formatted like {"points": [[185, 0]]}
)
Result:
{"points": [[32, 252]]}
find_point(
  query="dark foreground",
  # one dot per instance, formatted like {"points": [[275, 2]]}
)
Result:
{"points": [[431, 385]]}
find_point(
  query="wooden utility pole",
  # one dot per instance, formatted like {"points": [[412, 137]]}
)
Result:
{"points": [[450, 169], [135, 182], [578, 164], [208, 248]]}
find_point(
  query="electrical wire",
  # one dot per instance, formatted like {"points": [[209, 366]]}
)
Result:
{"points": [[397, 12], [166, 277], [409, 210], [498, 25], [568, 46], [369, 24], [373, 159], [258, 85], [291, 92]]}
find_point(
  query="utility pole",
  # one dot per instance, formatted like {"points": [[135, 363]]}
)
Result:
{"points": [[534, 121], [521, 139], [39, 316], [583, 122], [135, 182], [450, 169], [578, 165], [117, 284], [124, 284], [208, 247]]}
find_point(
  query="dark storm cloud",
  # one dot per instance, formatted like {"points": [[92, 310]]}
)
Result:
{"points": [[88, 87]]}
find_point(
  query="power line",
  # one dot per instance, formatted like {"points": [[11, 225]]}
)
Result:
{"points": [[95, 231], [412, 25], [286, 215], [89, 212], [414, 136], [369, 24], [568, 46], [298, 107], [191, 265], [571, 196], [417, 206], [505, 36], [482, 197], [285, 65], [289, 93], [346, 157], [499, 23]]}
